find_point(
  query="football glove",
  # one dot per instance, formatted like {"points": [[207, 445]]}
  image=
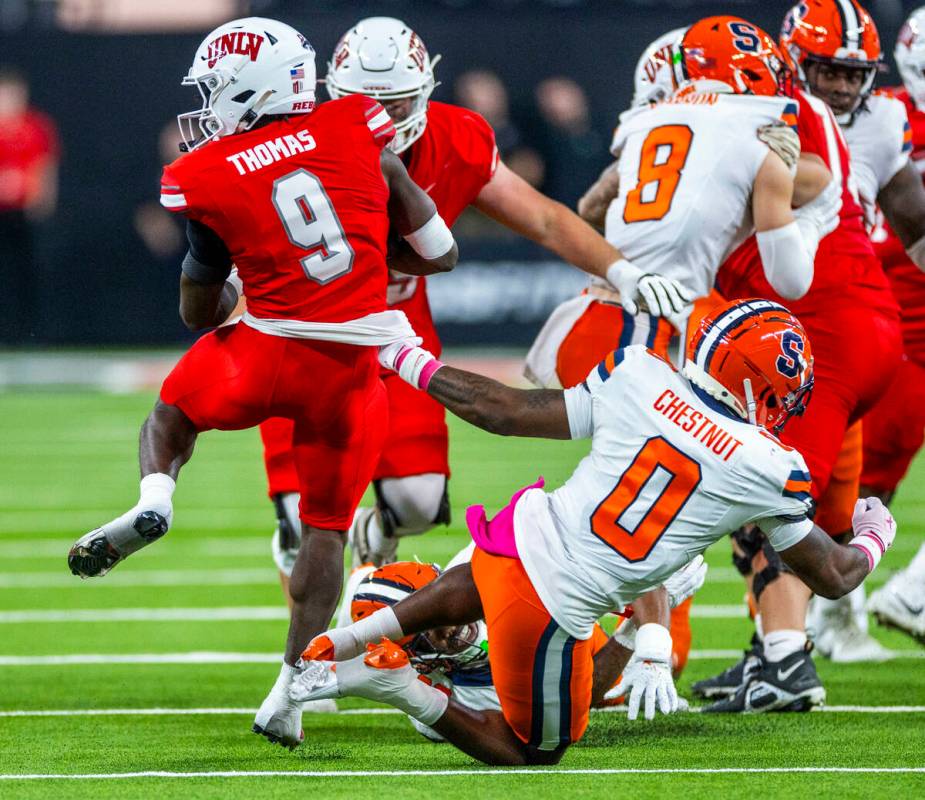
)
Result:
{"points": [[874, 529], [686, 581], [647, 676], [783, 140], [663, 297]]}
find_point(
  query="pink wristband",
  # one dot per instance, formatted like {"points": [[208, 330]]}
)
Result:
{"points": [[428, 372]]}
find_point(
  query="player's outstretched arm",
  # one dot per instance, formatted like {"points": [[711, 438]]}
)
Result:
{"points": [[902, 201], [832, 570], [481, 401], [510, 200], [426, 244], [593, 204]]}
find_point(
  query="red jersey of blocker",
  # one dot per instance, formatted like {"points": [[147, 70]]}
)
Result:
{"points": [[852, 321], [236, 186], [302, 207], [452, 161], [894, 430]]}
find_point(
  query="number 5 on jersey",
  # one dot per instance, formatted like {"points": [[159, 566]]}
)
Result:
{"points": [[646, 500], [664, 154]]}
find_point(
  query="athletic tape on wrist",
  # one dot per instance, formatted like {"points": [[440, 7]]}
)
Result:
{"points": [[871, 545], [432, 240], [417, 366]]}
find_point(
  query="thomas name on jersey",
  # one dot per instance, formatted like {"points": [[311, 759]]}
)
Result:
{"points": [[708, 433], [273, 150]]}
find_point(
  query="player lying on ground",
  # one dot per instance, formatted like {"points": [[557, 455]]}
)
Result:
{"points": [[678, 461], [457, 657]]}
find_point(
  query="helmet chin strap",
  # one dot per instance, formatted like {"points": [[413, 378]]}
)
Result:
{"points": [[750, 405]]}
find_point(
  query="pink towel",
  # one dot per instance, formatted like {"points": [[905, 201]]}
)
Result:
{"points": [[497, 537]]}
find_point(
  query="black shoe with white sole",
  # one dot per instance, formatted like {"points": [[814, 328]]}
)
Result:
{"points": [[790, 684], [729, 680]]}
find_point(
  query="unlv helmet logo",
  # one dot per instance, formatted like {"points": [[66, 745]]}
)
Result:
{"points": [[235, 43], [416, 51], [791, 362], [794, 16]]}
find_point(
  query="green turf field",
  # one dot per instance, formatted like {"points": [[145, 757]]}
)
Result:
{"points": [[208, 591]]}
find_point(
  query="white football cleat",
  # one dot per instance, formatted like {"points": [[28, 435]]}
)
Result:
{"points": [[279, 718], [900, 604], [839, 636]]}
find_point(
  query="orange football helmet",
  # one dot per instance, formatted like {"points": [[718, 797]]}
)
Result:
{"points": [[754, 357], [389, 584], [737, 55], [838, 32]]}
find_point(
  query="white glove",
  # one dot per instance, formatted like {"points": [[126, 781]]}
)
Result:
{"points": [[784, 141], [686, 581], [648, 674], [414, 364], [874, 529], [821, 212], [664, 297]]}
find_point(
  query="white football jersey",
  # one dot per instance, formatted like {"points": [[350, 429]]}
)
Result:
{"points": [[669, 473], [880, 141], [687, 169]]}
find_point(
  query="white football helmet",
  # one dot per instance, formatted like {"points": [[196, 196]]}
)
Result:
{"points": [[660, 69], [382, 57], [244, 70], [910, 56]]}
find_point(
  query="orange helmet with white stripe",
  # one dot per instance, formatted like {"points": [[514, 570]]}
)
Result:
{"points": [[754, 357], [835, 32], [734, 56], [387, 585]]}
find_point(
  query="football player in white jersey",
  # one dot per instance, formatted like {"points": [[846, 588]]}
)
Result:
{"points": [[677, 461], [835, 47], [683, 204]]}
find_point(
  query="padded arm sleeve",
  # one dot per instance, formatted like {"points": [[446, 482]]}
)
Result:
{"points": [[208, 260], [786, 259]]}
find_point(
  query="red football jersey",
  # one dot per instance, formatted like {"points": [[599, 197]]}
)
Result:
{"points": [[907, 280], [452, 161], [840, 264], [301, 205]]}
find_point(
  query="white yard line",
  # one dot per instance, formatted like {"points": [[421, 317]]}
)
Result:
{"points": [[363, 712], [152, 577], [214, 614], [414, 773], [234, 613], [216, 657]]}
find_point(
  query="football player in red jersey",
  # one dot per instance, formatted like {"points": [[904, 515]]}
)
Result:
{"points": [[301, 200], [895, 428], [853, 321], [451, 153]]}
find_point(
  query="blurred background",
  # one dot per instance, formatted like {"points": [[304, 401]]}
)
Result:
{"points": [[89, 91]]}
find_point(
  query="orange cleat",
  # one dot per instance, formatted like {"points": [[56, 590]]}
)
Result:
{"points": [[321, 648], [385, 655]]}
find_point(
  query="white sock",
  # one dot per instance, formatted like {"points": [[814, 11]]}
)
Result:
{"points": [[155, 494], [424, 702], [375, 535], [349, 642], [857, 597], [287, 675], [780, 644]]}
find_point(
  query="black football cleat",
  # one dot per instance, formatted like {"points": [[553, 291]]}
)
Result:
{"points": [[729, 680], [790, 684]]}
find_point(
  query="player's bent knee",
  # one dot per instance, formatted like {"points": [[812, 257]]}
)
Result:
{"points": [[413, 504]]}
